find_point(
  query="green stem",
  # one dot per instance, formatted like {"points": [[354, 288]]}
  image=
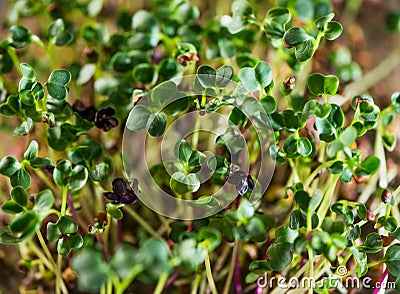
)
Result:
{"points": [[195, 284], [296, 177], [15, 60], [196, 133], [231, 268], [369, 265], [141, 221], [64, 200], [323, 209], [121, 287], [312, 176], [58, 274], [388, 209], [209, 275], [161, 282]]}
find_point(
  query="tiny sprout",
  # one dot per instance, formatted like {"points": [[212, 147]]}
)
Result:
{"points": [[87, 112], [90, 55], [387, 240], [370, 216], [386, 196], [289, 83], [184, 59], [335, 263], [105, 120], [121, 193]]}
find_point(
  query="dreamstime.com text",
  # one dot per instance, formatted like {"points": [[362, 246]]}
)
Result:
{"points": [[331, 281]]}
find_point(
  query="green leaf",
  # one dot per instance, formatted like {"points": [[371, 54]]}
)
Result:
{"points": [[114, 211], [19, 195], [207, 76], [392, 259], [254, 78], [290, 147], [389, 223], [26, 223], [53, 233], [361, 259], [62, 173], [100, 172], [43, 203], [319, 84], [9, 165], [209, 237], [369, 166], [183, 183], [11, 207], [56, 91], [223, 76], [260, 267], [78, 178], [91, 268], [138, 118], [275, 21], [295, 36], [323, 20], [145, 73], [232, 139], [304, 147], [7, 238], [156, 124], [242, 8], [395, 98], [143, 21], [263, 74], [56, 84], [305, 50], [32, 150], [279, 256], [332, 30], [24, 127], [345, 139], [20, 36], [21, 178], [67, 225], [372, 244], [302, 199], [60, 77], [336, 168], [121, 261], [183, 151]]}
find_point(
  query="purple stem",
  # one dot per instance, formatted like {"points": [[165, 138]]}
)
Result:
{"points": [[238, 286], [265, 257], [302, 262], [171, 279], [72, 208], [378, 286]]}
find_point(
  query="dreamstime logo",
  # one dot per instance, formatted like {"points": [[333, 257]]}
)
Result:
{"points": [[336, 281], [150, 152]]}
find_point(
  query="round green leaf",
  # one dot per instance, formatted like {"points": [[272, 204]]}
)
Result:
{"points": [[19, 195], [183, 183], [32, 150], [9, 165], [156, 124], [21, 178]]}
